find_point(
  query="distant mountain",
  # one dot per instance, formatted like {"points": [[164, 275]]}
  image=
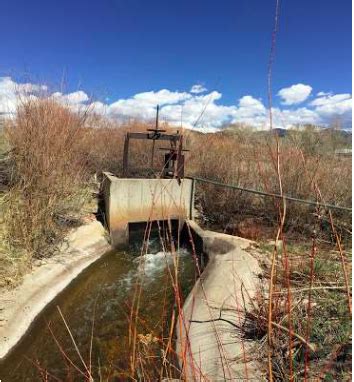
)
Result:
{"points": [[346, 134], [280, 132], [340, 132]]}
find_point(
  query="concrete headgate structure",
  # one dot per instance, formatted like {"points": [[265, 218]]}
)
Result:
{"points": [[134, 200]]}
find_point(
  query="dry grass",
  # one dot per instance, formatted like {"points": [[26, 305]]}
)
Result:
{"points": [[48, 176], [310, 315], [247, 159]]}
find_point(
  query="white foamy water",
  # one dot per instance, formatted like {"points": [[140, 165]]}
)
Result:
{"points": [[153, 262]]}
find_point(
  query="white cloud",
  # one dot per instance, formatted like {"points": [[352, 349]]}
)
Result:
{"points": [[11, 92], [31, 88], [7, 95], [197, 89], [143, 105], [161, 97], [288, 118], [295, 94], [249, 106], [201, 111], [337, 104], [250, 111], [320, 94], [74, 98], [131, 108], [8, 86], [99, 107]]}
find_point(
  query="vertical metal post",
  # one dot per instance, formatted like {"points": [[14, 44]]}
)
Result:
{"points": [[153, 141], [125, 156], [157, 117]]}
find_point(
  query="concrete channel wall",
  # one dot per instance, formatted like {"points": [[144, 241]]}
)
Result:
{"points": [[142, 200], [211, 344], [21, 305]]}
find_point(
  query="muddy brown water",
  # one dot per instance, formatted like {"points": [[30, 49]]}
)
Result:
{"points": [[99, 302]]}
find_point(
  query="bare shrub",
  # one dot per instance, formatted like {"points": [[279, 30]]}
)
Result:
{"points": [[48, 174], [245, 159]]}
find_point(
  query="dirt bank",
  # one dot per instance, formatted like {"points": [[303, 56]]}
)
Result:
{"points": [[20, 306]]}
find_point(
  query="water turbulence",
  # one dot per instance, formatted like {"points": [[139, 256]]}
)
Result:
{"points": [[99, 309]]}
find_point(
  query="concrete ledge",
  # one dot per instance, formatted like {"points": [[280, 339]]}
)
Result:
{"points": [[141, 200], [20, 306], [213, 350]]}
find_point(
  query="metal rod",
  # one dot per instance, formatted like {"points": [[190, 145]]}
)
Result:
{"points": [[126, 156], [153, 142], [157, 117], [162, 137], [309, 202]]}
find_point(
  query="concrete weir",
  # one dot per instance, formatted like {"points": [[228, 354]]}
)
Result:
{"points": [[209, 343], [140, 200]]}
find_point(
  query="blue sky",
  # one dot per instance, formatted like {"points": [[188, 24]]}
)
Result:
{"points": [[115, 49]]}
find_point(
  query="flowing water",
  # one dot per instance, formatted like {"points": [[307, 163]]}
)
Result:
{"points": [[99, 302]]}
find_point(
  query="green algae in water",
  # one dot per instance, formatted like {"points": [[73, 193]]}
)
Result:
{"points": [[100, 301]]}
